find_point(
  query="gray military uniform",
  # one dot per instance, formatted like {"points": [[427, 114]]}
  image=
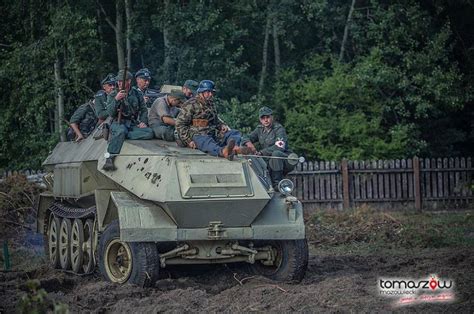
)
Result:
{"points": [[85, 117], [101, 104], [161, 108], [272, 141]]}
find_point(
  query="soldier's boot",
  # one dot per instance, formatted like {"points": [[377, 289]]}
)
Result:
{"points": [[277, 176], [109, 164], [228, 151], [242, 150]]}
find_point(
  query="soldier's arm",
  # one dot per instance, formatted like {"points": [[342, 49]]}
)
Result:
{"points": [[112, 105], [251, 137], [77, 131], [143, 111], [76, 119], [183, 123], [78, 115], [100, 104], [281, 141]]}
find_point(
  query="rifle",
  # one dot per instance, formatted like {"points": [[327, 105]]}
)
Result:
{"points": [[152, 95], [124, 82]]}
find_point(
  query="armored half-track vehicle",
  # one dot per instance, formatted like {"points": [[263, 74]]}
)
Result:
{"points": [[166, 205]]}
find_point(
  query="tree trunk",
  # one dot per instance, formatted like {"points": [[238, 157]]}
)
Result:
{"points": [[100, 32], [276, 46], [128, 18], [263, 74], [118, 29], [346, 31], [167, 53], [119, 36], [59, 100]]}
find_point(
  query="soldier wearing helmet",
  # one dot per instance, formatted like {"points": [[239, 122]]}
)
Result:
{"points": [[198, 125], [127, 104], [189, 88]]}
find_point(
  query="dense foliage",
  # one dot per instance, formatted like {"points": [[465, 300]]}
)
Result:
{"points": [[349, 79]]}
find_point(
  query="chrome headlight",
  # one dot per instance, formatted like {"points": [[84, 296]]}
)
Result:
{"points": [[286, 187]]}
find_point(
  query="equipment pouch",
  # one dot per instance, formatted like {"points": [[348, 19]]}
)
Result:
{"points": [[202, 123]]}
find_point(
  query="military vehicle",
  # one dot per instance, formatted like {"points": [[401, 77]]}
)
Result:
{"points": [[166, 205]]}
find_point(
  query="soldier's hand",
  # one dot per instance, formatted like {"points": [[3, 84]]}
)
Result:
{"points": [[79, 138], [146, 98], [142, 125], [120, 95], [224, 128], [192, 145], [251, 146]]}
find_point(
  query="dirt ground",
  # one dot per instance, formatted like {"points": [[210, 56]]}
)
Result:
{"points": [[334, 282], [349, 253]]}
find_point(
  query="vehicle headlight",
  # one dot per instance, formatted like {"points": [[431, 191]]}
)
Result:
{"points": [[286, 186]]}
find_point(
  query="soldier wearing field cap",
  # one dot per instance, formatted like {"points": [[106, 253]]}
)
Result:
{"points": [[100, 98], [143, 78], [189, 88], [271, 138], [163, 113], [130, 117]]}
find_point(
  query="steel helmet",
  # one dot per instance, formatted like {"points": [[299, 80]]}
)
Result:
{"points": [[206, 85]]}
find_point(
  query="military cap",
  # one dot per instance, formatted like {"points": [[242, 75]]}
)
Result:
{"points": [[143, 73], [192, 85], [264, 111], [176, 93], [109, 79], [206, 86], [119, 76]]}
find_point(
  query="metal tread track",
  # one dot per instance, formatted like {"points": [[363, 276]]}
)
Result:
{"points": [[64, 211]]}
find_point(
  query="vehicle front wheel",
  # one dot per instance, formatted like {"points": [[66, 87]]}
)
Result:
{"points": [[127, 262], [290, 261]]}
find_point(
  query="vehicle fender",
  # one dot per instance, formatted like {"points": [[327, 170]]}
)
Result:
{"points": [[141, 220]]}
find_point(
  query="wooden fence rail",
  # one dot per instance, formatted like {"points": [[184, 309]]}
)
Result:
{"points": [[434, 183]]}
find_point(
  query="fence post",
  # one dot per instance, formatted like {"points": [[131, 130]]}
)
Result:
{"points": [[417, 182], [345, 184]]}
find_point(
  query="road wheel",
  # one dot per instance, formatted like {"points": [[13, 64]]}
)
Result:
{"points": [[53, 240], [77, 241], [291, 261], [87, 247], [65, 244], [127, 262]]}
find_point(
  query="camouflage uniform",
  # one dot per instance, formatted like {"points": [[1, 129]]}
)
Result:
{"points": [[134, 112], [198, 121], [85, 117]]}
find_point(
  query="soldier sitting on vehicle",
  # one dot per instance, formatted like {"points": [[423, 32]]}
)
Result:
{"points": [[130, 117], [189, 88], [273, 141], [198, 125], [100, 98], [83, 122], [143, 77], [163, 113]]}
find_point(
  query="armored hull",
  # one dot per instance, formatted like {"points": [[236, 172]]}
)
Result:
{"points": [[180, 206]]}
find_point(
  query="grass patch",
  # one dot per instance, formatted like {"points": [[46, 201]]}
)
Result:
{"points": [[370, 228]]}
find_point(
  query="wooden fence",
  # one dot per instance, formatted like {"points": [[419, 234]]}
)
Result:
{"points": [[35, 176], [442, 183]]}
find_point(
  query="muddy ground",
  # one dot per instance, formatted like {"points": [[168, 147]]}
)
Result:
{"points": [[334, 282]]}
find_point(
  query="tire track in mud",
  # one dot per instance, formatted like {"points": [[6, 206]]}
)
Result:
{"points": [[333, 282]]}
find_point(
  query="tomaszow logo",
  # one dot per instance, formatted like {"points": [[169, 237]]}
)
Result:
{"points": [[411, 291]]}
